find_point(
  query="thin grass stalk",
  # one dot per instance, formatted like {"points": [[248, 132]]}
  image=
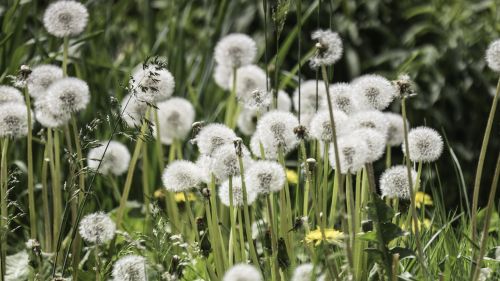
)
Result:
{"points": [[215, 223], [285, 208], [56, 184], [97, 264], [351, 214], [190, 213], [146, 190], [31, 187], [388, 156], [274, 241], [324, 188], [305, 208], [232, 218], [45, 201], [4, 228], [480, 164], [213, 240], [241, 236], [231, 103], [65, 56]]}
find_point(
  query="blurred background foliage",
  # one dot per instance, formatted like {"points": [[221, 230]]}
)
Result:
{"points": [[439, 43]]}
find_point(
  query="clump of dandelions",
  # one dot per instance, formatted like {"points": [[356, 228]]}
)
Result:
{"points": [[493, 55], [152, 83], [373, 92], [13, 120], [237, 193], [129, 268], [67, 96], [328, 48], [303, 272], [235, 50], [425, 144], [10, 94], [343, 98], [41, 77], [371, 119], [276, 131], [225, 162], [97, 228], [394, 182], [353, 153], [265, 177], [375, 140], [242, 272], [321, 129], [115, 161], [46, 117], [395, 132], [65, 18], [175, 116], [133, 110], [181, 175], [213, 136], [310, 99]]}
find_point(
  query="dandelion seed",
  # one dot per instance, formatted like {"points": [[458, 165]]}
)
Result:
{"points": [[65, 18], [10, 94], [152, 83], [237, 193], [13, 120], [303, 272], [394, 182], [222, 76], [312, 96], [175, 115], [68, 96], [352, 154], [375, 140], [129, 268], [371, 119], [321, 128], [395, 132], [373, 92], [265, 177], [133, 110], [276, 130], [213, 136], [425, 144], [235, 50], [329, 48], [493, 55], [115, 161], [225, 162], [181, 175], [97, 228], [343, 98], [41, 78]]}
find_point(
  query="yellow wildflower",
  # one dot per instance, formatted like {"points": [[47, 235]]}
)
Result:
{"points": [[422, 198], [292, 176], [179, 197], [159, 193], [332, 236], [426, 224]]}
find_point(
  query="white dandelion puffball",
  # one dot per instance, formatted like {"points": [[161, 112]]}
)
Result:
{"points": [[394, 182], [425, 144], [276, 130], [242, 272], [213, 136], [129, 268], [41, 77], [284, 101], [175, 115], [493, 55], [329, 48], [255, 147], [152, 83], [312, 96], [115, 160], [343, 98], [371, 119], [65, 18], [265, 177], [395, 132], [133, 110], [46, 117], [247, 121], [303, 272], [237, 193], [235, 50], [250, 80], [352, 154], [225, 162], [10, 94], [203, 162], [321, 128], [181, 175], [97, 228], [373, 92], [14, 120], [17, 266], [67, 96], [375, 140], [222, 76]]}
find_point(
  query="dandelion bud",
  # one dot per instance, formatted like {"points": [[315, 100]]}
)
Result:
{"points": [[329, 48], [225, 162], [374, 139], [493, 55], [276, 131], [129, 268], [237, 146], [41, 78], [301, 132], [153, 83], [235, 50], [312, 96], [373, 92], [175, 117], [237, 194], [425, 144], [321, 128], [206, 192], [353, 153], [265, 177], [222, 76], [181, 175], [343, 98], [65, 18], [115, 161], [97, 228], [10, 94], [213, 136], [394, 182], [133, 110], [395, 132], [370, 120], [68, 96], [303, 272], [13, 120]]}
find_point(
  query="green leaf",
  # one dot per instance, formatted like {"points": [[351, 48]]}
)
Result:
{"points": [[378, 210], [370, 236], [403, 252], [390, 231]]}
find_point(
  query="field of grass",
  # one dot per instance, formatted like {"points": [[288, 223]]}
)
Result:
{"points": [[249, 140]]}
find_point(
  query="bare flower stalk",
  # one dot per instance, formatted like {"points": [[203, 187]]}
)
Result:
{"points": [[3, 205], [31, 187]]}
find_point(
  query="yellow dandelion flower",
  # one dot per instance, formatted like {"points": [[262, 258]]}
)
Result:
{"points": [[422, 198], [179, 197], [159, 193], [426, 224], [292, 176], [332, 236]]}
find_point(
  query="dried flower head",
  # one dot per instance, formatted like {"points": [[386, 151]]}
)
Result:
{"points": [[375, 140], [65, 18], [425, 144], [276, 131], [181, 175], [394, 182], [321, 128], [67, 96], [225, 161], [395, 132], [152, 83], [213, 136], [493, 55], [242, 272], [41, 78], [265, 177], [97, 228], [46, 117], [404, 86], [237, 193], [13, 120], [133, 110], [10, 94], [373, 92], [222, 76], [371, 119], [343, 98], [352, 154], [175, 116], [312, 96], [114, 161], [329, 48], [129, 268], [235, 50]]}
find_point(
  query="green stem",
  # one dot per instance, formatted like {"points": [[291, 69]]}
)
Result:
{"points": [[274, 240], [65, 56], [388, 154], [233, 227], [45, 199], [145, 186], [4, 228], [231, 103], [31, 187]]}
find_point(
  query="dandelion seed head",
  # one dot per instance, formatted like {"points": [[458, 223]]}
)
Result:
{"points": [[17, 266], [181, 175], [213, 136], [330, 48], [10, 94], [237, 193], [41, 77], [284, 101], [242, 272], [235, 50], [308, 96], [133, 110], [321, 128], [153, 83], [352, 154], [373, 92], [343, 98], [222, 76], [97, 228], [247, 121], [394, 182], [225, 162], [425, 144], [371, 119], [276, 130], [129, 268], [303, 272], [65, 18], [251, 87], [203, 162], [493, 55], [67, 96], [13, 120], [375, 140], [46, 117], [175, 116], [265, 177], [395, 131], [115, 161]]}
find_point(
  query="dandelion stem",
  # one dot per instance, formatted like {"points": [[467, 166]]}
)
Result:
{"points": [[31, 187], [65, 56], [3, 202], [45, 199], [231, 103]]}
